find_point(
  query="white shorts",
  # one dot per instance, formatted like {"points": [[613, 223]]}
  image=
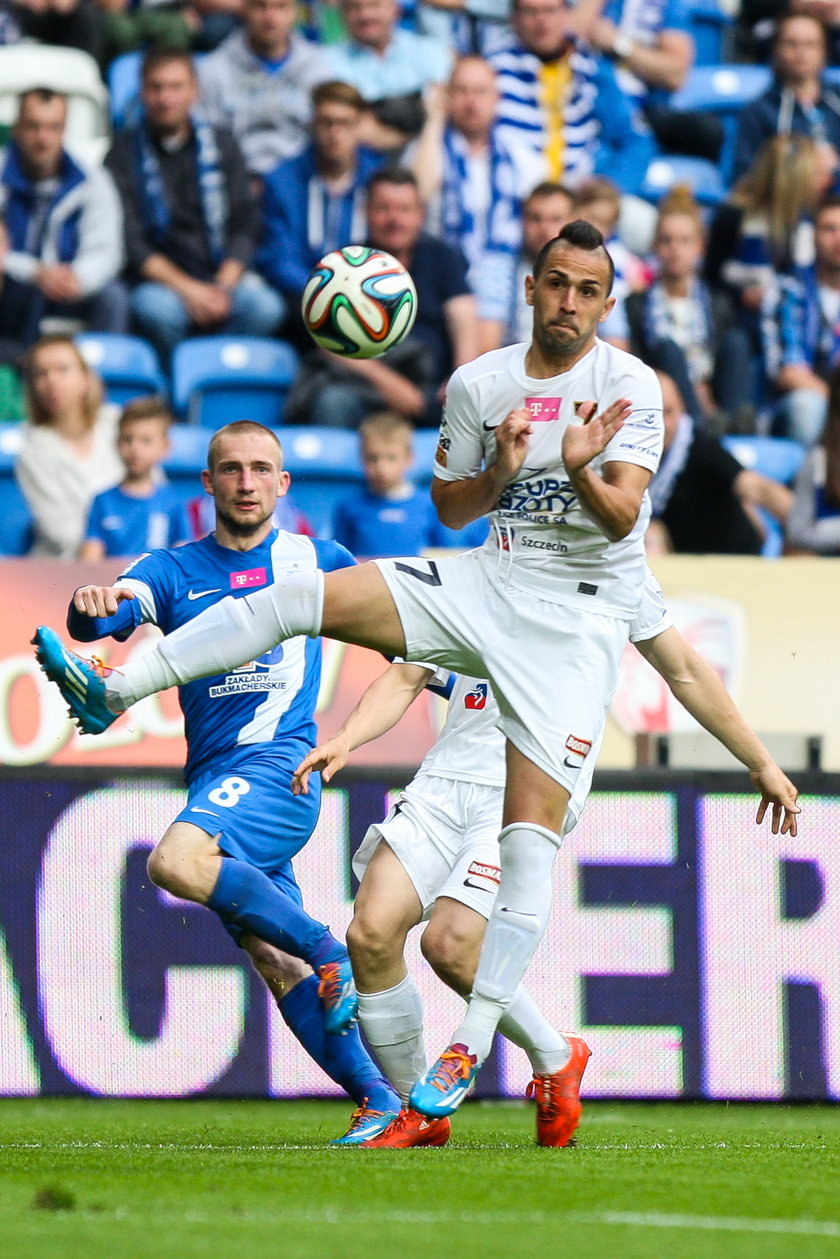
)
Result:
{"points": [[446, 836], [553, 668]]}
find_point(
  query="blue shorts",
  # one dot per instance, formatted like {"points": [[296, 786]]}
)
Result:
{"points": [[249, 808]]}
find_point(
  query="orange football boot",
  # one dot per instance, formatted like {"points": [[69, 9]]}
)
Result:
{"points": [[558, 1097], [410, 1128]]}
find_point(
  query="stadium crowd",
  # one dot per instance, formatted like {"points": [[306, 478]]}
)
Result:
{"points": [[256, 135]]}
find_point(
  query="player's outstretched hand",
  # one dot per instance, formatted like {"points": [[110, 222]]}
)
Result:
{"points": [[327, 757], [779, 792], [582, 442], [100, 600]]}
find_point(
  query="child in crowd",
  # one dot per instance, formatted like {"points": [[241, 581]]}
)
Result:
{"points": [[391, 516], [142, 513]]}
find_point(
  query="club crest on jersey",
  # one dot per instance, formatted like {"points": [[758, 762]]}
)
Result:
{"points": [[578, 747], [477, 697], [441, 455], [249, 577], [543, 410]]}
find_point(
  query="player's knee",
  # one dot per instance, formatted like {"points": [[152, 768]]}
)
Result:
{"points": [[452, 955], [370, 942], [175, 875]]}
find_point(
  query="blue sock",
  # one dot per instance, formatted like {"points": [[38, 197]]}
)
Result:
{"points": [[247, 898], [343, 1058]]}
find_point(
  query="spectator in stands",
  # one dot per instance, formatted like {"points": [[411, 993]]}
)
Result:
{"points": [[62, 245], [813, 525], [142, 512], [544, 212], [69, 445], [703, 501], [409, 378], [685, 327], [598, 201], [766, 225], [563, 100], [391, 516], [391, 67], [191, 223], [798, 101], [653, 52], [802, 332], [259, 81], [315, 202], [471, 182]]}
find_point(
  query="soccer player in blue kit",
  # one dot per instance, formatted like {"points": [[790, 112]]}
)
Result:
{"points": [[232, 845]]}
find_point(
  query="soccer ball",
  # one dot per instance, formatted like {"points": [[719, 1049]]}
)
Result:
{"points": [[359, 302]]}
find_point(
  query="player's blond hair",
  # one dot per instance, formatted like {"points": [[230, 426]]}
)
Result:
{"points": [[234, 429]]}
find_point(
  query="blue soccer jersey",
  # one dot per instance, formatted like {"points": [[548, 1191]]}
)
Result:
{"points": [[126, 525], [263, 702]]}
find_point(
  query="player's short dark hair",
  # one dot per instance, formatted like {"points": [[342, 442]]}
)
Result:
{"points": [[580, 235], [157, 57], [336, 92], [232, 430], [153, 407]]}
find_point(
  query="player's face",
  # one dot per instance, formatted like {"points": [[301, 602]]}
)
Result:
{"points": [[395, 217], [386, 463], [142, 445], [246, 481], [570, 298]]}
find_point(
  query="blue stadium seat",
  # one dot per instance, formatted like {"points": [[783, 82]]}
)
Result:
{"points": [[723, 90], [15, 520], [707, 24], [128, 365], [124, 87], [219, 379], [777, 457], [702, 177], [325, 467]]}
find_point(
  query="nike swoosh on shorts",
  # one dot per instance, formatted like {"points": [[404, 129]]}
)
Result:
{"points": [[478, 886]]}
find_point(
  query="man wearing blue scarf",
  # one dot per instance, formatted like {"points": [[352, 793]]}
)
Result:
{"points": [[191, 223], [61, 227]]}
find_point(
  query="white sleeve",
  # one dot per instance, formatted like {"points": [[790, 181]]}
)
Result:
{"points": [[653, 616], [640, 440], [460, 450]]}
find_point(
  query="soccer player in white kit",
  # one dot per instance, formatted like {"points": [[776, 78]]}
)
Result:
{"points": [[435, 858], [542, 610]]}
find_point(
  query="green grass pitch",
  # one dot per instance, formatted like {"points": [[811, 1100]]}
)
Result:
{"points": [[87, 1179]]}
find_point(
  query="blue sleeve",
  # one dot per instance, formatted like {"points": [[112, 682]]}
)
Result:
{"points": [[331, 555], [93, 528], [626, 146], [283, 257], [87, 629]]}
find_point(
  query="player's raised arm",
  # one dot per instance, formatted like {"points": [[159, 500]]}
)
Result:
{"points": [[700, 691], [458, 503], [384, 702], [612, 498]]}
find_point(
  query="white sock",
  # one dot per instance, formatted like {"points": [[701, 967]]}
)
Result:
{"points": [[515, 929], [226, 635], [393, 1023], [522, 1023]]}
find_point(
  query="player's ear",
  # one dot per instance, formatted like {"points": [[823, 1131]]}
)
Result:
{"points": [[608, 306], [207, 481], [284, 480], [529, 289]]}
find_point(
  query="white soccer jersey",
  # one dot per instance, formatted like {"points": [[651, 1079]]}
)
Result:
{"points": [[548, 544], [470, 746]]}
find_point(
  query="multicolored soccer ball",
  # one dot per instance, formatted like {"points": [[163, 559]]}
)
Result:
{"points": [[359, 302]]}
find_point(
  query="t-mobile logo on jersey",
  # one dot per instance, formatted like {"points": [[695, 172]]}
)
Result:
{"points": [[250, 577], [544, 410]]}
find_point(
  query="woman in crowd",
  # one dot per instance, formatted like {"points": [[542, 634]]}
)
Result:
{"points": [[814, 522], [68, 452], [766, 225]]}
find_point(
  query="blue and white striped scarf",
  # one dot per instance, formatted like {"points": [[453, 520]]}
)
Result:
{"points": [[503, 223], [212, 193]]}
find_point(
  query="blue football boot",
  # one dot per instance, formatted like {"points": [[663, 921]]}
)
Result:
{"points": [[81, 681], [338, 994], [445, 1085], [365, 1124]]}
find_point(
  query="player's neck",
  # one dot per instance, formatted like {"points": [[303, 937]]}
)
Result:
{"points": [[239, 542]]}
